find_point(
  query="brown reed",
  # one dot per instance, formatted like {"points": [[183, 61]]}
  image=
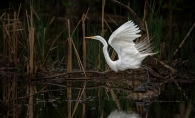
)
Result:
{"points": [[84, 61], [10, 49], [69, 69], [31, 67]]}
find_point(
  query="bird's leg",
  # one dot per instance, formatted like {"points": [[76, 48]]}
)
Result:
{"points": [[147, 85], [144, 86], [145, 68]]}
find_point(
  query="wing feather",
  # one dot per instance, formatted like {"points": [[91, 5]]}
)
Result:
{"points": [[130, 54], [122, 38]]}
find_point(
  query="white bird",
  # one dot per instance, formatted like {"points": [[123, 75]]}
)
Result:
{"points": [[123, 114], [130, 54]]}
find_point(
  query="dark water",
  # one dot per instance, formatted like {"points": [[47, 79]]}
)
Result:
{"points": [[96, 98]]}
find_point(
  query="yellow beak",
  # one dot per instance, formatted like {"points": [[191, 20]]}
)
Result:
{"points": [[89, 37]]}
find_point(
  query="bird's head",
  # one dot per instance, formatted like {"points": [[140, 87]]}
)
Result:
{"points": [[99, 38]]}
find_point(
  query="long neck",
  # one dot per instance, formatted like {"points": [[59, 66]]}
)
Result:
{"points": [[111, 63]]}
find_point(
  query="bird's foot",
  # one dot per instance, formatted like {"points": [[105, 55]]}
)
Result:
{"points": [[146, 86]]}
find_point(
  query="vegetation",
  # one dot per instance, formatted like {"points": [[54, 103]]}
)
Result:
{"points": [[43, 52]]}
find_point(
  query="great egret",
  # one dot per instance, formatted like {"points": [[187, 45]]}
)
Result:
{"points": [[130, 54], [123, 114]]}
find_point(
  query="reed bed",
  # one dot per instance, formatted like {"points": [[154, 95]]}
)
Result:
{"points": [[41, 57]]}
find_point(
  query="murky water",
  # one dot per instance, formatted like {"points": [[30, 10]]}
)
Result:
{"points": [[96, 98]]}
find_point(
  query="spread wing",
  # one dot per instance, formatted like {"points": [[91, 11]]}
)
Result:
{"points": [[122, 39]]}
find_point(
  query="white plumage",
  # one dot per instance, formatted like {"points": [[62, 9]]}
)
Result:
{"points": [[130, 54], [122, 114]]}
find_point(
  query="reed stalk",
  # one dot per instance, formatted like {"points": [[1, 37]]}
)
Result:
{"points": [[51, 46], [145, 11], [184, 39], [103, 6], [83, 91], [102, 34], [84, 41], [69, 69], [30, 72], [10, 49], [84, 63], [15, 40], [31, 68], [114, 97]]}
